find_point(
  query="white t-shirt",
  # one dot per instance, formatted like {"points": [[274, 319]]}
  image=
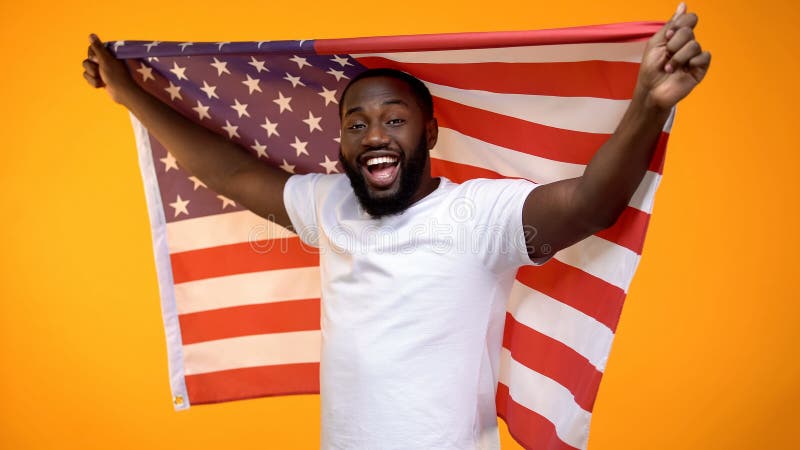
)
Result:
{"points": [[413, 308]]}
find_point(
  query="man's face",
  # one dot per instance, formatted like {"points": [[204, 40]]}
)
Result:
{"points": [[384, 145]]}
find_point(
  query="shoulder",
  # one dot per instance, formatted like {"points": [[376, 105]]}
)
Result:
{"points": [[316, 183], [488, 189]]}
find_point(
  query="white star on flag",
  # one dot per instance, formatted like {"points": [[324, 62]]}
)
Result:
{"points": [[300, 146], [272, 128], [220, 44], [183, 45], [211, 91], [338, 74], [147, 72], [174, 91], [241, 109], [180, 206], [151, 45], [294, 80], [197, 183], [259, 65], [221, 66], [328, 95], [169, 162], [300, 61], [341, 60], [260, 148], [283, 102], [178, 71], [231, 129], [330, 166], [118, 44], [226, 201], [252, 84], [312, 122], [202, 111], [287, 167]]}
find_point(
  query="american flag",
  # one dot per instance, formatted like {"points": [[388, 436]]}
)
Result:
{"points": [[241, 296]]}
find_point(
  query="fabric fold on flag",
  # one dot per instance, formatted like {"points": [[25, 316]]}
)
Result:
{"points": [[240, 295]]}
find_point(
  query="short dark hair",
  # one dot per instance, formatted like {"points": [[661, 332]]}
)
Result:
{"points": [[418, 88]]}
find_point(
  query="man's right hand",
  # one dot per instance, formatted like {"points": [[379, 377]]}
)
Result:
{"points": [[102, 69], [221, 164]]}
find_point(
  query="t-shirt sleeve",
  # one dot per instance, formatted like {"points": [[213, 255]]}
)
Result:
{"points": [[301, 197], [498, 230]]}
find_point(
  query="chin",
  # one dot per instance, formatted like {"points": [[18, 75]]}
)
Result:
{"points": [[394, 199]]}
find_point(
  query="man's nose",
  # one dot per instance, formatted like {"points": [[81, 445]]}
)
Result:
{"points": [[376, 136]]}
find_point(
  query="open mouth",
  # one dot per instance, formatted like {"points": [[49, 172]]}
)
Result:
{"points": [[381, 171]]}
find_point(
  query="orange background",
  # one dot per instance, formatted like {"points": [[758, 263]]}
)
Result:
{"points": [[702, 358]]}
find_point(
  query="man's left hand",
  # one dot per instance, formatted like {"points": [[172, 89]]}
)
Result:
{"points": [[673, 62]]}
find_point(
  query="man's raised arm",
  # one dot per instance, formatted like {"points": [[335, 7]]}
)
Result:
{"points": [[560, 214], [224, 166]]}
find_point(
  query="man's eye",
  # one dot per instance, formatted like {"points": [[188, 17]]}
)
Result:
{"points": [[355, 126], [396, 121]]}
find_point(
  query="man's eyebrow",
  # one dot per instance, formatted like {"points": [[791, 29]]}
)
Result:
{"points": [[353, 110], [392, 101], [395, 101]]}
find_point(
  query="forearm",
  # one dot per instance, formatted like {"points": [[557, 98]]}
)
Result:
{"points": [[617, 168], [205, 154]]}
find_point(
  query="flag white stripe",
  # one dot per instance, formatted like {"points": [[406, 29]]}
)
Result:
{"points": [[547, 398], [456, 147], [252, 351], [623, 52], [588, 114], [248, 289], [573, 328], [227, 228], [606, 260], [646, 192]]}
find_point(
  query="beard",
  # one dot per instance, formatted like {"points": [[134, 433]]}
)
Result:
{"points": [[411, 171]]}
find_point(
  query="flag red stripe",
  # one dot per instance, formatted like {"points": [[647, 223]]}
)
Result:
{"points": [[459, 173], [600, 79], [244, 257], [576, 288], [263, 318], [554, 360], [531, 430], [657, 161], [252, 382], [576, 147], [623, 32], [557, 144], [628, 231]]}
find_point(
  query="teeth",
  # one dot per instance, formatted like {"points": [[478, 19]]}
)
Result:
{"points": [[381, 160]]}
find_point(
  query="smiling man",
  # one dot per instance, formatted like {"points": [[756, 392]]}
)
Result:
{"points": [[386, 164], [416, 270]]}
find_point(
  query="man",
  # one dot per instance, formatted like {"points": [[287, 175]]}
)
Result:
{"points": [[416, 270]]}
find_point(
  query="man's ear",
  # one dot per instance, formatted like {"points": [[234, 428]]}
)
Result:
{"points": [[432, 132]]}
